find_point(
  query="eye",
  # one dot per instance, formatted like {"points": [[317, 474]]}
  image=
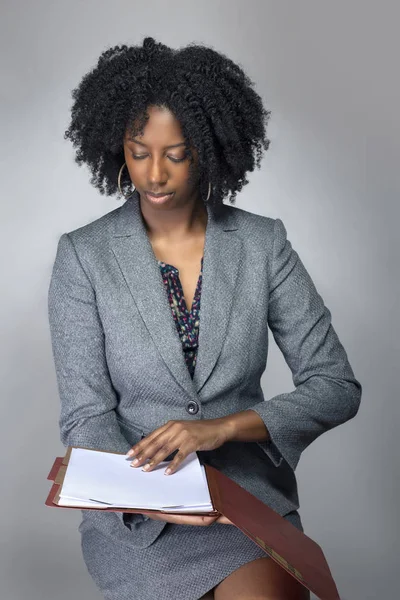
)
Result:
{"points": [[172, 158], [177, 160]]}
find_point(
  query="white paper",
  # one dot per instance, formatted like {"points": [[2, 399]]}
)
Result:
{"points": [[79, 502], [101, 477]]}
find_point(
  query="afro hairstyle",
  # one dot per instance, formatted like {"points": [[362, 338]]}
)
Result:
{"points": [[220, 114]]}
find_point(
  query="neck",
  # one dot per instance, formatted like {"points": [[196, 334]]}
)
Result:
{"points": [[177, 223]]}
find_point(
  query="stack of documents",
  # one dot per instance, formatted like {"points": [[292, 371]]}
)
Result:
{"points": [[96, 479]]}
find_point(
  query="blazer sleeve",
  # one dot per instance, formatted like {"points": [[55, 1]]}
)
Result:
{"points": [[88, 399], [327, 393]]}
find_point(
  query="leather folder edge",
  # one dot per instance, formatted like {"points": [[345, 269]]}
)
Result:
{"points": [[54, 469], [217, 483]]}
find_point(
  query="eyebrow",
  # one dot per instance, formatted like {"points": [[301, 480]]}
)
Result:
{"points": [[142, 144]]}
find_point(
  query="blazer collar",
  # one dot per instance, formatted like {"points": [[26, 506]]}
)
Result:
{"points": [[139, 266]]}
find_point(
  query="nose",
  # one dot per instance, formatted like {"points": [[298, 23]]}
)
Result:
{"points": [[157, 174]]}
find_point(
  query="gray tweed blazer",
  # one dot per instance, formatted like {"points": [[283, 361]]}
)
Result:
{"points": [[120, 368]]}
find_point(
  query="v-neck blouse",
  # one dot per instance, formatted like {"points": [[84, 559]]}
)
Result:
{"points": [[187, 320]]}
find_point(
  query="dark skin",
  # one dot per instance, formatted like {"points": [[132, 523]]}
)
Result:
{"points": [[176, 229]]}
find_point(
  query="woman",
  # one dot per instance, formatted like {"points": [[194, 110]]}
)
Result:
{"points": [[140, 367]]}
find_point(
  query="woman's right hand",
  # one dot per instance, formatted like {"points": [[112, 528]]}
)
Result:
{"points": [[200, 520]]}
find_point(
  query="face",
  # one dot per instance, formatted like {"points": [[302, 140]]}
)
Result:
{"points": [[158, 162]]}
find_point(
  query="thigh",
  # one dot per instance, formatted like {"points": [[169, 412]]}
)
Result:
{"points": [[260, 579], [208, 596]]}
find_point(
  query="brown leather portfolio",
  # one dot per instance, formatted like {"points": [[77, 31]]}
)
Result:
{"points": [[292, 549]]}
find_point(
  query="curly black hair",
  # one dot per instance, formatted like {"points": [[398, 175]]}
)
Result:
{"points": [[220, 113]]}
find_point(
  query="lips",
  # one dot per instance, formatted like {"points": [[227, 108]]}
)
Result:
{"points": [[159, 194], [158, 197]]}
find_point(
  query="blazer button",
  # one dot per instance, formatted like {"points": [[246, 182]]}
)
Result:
{"points": [[192, 407]]}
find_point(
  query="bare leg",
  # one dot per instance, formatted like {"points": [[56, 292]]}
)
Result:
{"points": [[260, 579], [208, 596]]}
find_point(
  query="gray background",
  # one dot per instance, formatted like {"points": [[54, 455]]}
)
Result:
{"points": [[329, 73]]}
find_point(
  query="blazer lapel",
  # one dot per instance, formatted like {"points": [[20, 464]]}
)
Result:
{"points": [[139, 266]]}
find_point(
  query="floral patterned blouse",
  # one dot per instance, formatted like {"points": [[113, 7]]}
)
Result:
{"points": [[186, 320]]}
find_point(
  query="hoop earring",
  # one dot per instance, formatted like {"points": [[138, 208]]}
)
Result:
{"points": [[119, 183], [209, 191]]}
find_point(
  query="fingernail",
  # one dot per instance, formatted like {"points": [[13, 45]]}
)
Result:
{"points": [[168, 471], [129, 453], [146, 468], [135, 462]]}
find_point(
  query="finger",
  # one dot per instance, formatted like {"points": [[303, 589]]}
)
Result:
{"points": [[198, 520], [178, 459], [148, 451], [190, 519], [141, 446], [202, 521], [160, 456]]}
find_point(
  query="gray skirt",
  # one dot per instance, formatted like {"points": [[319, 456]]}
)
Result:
{"points": [[183, 563]]}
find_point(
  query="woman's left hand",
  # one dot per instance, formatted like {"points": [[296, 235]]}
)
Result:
{"points": [[184, 436], [224, 520], [198, 520]]}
